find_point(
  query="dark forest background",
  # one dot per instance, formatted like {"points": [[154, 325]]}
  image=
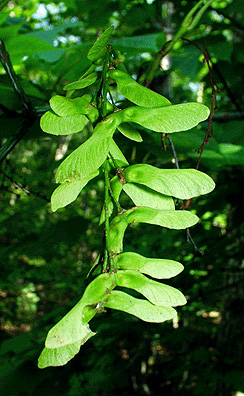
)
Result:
{"points": [[45, 256]]}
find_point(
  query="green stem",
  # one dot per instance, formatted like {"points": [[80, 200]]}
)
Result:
{"points": [[117, 204], [188, 24], [101, 93], [107, 255]]}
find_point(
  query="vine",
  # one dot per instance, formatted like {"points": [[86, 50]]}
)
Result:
{"points": [[152, 191]]}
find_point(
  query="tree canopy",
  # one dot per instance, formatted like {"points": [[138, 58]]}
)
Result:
{"points": [[162, 81]]}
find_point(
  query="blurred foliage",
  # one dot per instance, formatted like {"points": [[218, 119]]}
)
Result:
{"points": [[45, 256]]}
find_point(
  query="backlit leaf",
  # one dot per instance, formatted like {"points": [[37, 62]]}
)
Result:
{"points": [[67, 192], [131, 133], [179, 183], [82, 83], [143, 196], [167, 119], [157, 268], [63, 106], [99, 47], [56, 125], [66, 337], [87, 158], [117, 155], [60, 355], [157, 293], [173, 219], [143, 309], [135, 92]]}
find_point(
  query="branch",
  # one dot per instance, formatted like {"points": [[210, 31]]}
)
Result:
{"points": [[227, 88], [25, 189], [214, 87], [189, 23], [28, 113], [7, 65], [227, 117], [183, 206]]}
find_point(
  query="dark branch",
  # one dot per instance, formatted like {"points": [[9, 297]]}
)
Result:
{"points": [[183, 205], [227, 88], [28, 114], [226, 117], [25, 189], [7, 65]]}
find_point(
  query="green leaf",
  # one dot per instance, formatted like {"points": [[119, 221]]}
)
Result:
{"points": [[60, 355], [131, 133], [167, 119], [66, 337], [132, 46], [99, 47], [67, 192], [117, 155], [143, 309], [56, 125], [63, 106], [82, 83], [179, 183], [22, 45], [157, 268], [135, 92], [87, 158], [173, 219], [157, 293], [143, 196]]}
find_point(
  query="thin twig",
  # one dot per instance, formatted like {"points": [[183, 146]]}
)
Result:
{"points": [[189, 23], [173, 150], [214, 87], [28, 114], [25, 189], [107, 253], [189, 237], [227, 88], [7, 65]]}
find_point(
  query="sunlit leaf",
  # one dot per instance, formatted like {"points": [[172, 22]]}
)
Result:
{"points": [[56, 125], [143, 309], [59, 356], [87, 158], [82, 83], [157, 268], [135, 92], [167, 119], [143, 196], [99, 47], [173, 219], [67, 192], [179, 183], [117, 155], [63, 106], [157, 293], [131, 133], [66, 337]]}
